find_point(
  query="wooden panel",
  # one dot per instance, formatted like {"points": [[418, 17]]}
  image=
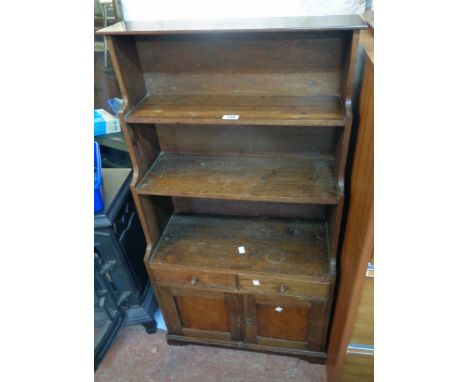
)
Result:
{"points": [[357, 368], [143, 148], [123, 53], [273, 179], [246, 208], [276, 299], [250, 318], [195, 277], [240, 140], [233, 304], [278, 343], [273, 246], [363, 331], [248, 64], [318, 325], [245, 24], [252, 110], [203, 313], [290, 323], [311, 356], [168, 309], [358, 244], [287, 287], [207, 334]]}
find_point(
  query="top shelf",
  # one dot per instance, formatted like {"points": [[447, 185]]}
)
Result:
{"points": [[273, 24], [249, 110]]}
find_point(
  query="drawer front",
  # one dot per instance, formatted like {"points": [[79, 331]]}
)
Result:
{"points": [[283, 286], [194, 279]]}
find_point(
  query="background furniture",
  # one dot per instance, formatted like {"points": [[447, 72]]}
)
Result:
{"points": [[351, 351], [108, 316], [121, 282], [114, 151], [238, 133]]}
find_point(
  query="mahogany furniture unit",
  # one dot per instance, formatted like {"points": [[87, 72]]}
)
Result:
{"points": [[238, 133], [351, 345]]}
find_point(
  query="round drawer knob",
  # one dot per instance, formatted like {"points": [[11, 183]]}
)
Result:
{"points": [[283, 288], [194, 280]]}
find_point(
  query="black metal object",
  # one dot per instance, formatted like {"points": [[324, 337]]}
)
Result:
{"points": [[108, 316], [119, 248]]}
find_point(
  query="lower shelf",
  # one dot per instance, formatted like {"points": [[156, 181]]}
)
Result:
{"points": [[237, 244]]}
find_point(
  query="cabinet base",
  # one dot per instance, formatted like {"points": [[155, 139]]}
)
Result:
{"points": [[310, 356]]}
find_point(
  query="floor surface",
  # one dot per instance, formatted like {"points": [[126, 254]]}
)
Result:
{"points": [[139, 357]]}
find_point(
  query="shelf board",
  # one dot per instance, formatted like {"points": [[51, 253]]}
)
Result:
{"points": [[272, 24], [302, 179], [252, 110], [273, 246]]}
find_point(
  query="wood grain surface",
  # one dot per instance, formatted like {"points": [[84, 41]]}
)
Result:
{"points": [[272, 246], [236, 25], [255, 178], [255, 110]]}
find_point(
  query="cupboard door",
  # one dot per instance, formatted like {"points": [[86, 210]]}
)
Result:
{"points": [[201, 314], [284, 322]]}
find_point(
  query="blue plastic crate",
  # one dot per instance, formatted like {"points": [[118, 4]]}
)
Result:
{"points": [[98, 201]]}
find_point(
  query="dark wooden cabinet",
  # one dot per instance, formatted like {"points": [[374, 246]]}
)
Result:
{"points": [[238, 132]]}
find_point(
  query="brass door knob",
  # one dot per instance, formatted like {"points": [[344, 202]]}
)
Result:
{"points": [[194, 280], [283, 288]]}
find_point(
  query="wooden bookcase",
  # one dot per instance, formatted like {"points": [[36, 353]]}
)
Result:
{"points": [[238, 134]]}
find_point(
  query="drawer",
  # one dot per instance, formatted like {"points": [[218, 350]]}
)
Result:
{"points": [[194, 278], [284, 286]]}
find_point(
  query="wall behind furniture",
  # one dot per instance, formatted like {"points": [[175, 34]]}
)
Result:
{"points": [[139, 10]]}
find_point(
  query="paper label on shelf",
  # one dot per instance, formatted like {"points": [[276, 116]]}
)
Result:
{"points": [[230, 116], [279, 309], [241, 250], [255, 282]]}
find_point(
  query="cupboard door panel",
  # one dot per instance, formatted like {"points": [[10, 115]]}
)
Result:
{"points": [[203, 313], [281, 321], [287, 323]]}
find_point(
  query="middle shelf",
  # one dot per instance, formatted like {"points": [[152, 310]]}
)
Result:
{"points": [[249, 109], [298, 179]]}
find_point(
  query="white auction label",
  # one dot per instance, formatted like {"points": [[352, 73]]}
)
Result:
{"points": [[230, 116], [279, 309], [241, 250], [255, 282]]}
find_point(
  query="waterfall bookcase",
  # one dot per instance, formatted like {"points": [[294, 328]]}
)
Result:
{"points": [[238, 134]]}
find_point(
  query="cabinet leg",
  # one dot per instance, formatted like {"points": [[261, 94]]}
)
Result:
{"points": [[150, 327]]}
